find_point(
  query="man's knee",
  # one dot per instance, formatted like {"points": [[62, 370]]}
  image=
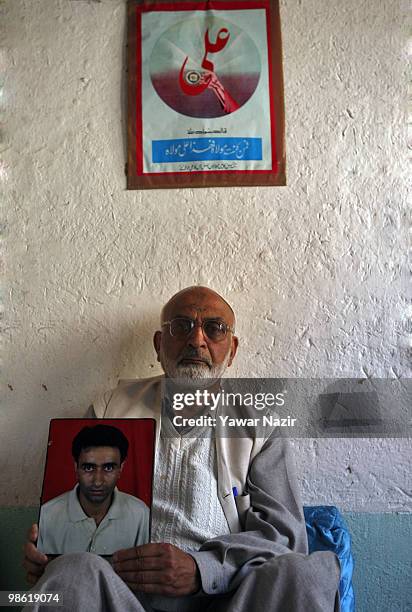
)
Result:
{"points": [[80, 563], [305, 569]]}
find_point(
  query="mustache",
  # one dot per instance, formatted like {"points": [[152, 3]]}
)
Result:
{"points": [[192, 353]]}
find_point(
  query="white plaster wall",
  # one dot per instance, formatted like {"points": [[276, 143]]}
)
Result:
{"points": [[315, 270]]}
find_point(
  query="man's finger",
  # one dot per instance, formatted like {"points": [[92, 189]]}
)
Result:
{"points": [[32, 579], [33, 555], [142, 578], [146, 550], [139, 564], [33, 568], [33, 533]]}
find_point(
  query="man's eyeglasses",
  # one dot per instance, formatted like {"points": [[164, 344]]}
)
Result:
{"points": [[213, 329]]}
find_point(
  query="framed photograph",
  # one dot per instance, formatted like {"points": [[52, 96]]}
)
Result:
{"points": [[97, 487], [205, 94]]}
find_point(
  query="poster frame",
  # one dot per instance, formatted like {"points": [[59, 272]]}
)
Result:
{"points": [[136, 177]]}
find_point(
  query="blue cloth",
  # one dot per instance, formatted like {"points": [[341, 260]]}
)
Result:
{"points": [[327, 530]]}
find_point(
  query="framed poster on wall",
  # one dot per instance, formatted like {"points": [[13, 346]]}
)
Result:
{"points": [[205, 94]]}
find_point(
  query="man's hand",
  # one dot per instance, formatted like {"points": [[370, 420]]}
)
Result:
{"points": [[34, 561], [158, 568]]}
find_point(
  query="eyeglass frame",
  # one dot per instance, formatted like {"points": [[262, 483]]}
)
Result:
{"points": [[228, 328]]}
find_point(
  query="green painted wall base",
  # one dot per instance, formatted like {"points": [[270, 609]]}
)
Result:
{"points": [[15, 524], [381, 546]]}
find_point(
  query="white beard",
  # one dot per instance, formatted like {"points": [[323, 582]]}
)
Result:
{"points": [[196, 371]]}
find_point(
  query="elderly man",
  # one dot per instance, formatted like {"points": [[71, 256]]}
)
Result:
{"points": [[211, 549]]}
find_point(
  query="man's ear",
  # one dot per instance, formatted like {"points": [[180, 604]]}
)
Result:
{"points": [[122, 466], [233, 350], [157, 339]]}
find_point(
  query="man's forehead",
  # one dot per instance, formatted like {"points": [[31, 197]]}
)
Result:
{"points": [[195, 301], [104, 454]]}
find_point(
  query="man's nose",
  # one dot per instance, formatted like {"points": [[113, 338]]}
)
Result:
{"points": [[197, 337], [98, 478]]}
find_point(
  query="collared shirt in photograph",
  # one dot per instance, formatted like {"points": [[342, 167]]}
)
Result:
{"points": [[65, 528]]}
